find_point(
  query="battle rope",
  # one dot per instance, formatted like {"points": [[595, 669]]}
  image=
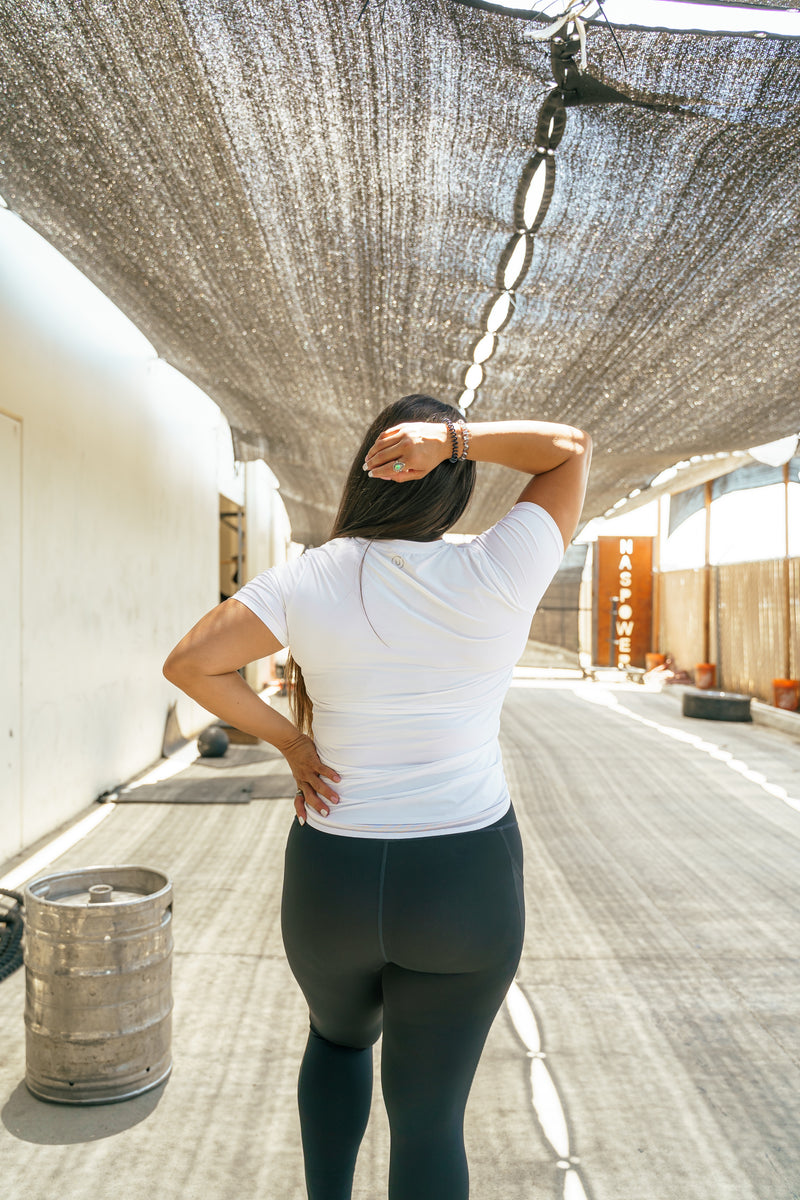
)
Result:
{"points": [[11, 935]]}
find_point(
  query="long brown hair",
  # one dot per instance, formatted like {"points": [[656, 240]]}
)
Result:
{"points": [[420, 510]]}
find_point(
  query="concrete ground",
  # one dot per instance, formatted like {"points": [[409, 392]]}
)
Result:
{"points": [[650, 1049]]}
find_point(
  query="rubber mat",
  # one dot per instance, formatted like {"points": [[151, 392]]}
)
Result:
{"points": [[242, 774]]}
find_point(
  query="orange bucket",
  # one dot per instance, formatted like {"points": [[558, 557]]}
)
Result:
{"points": [[651, 661], [705, 675], [786, 694]]}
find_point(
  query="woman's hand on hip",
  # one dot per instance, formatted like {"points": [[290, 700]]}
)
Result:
{"points": [[418, 446], [308, 771]]}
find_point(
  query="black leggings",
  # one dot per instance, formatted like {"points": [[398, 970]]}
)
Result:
{"points": [[417, 938]]}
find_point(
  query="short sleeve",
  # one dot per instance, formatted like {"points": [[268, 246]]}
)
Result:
{"points": [[266, 597], [522, 553]]}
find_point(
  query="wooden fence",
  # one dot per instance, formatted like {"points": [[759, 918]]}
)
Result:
{"points": [[753, 622]]}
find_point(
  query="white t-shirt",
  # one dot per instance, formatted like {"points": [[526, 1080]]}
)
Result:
{"points": [[407, 650]]}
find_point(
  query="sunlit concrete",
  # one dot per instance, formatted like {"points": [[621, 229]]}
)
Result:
{"points": [[648, 1051]]}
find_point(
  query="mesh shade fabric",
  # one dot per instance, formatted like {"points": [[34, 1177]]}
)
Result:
{"points": [[305, 213]]}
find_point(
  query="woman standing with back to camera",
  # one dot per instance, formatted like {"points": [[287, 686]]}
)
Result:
{"points": [[402, 907]]}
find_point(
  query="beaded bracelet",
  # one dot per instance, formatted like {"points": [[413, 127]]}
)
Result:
{"points": [[451, 429], [465, 435]]}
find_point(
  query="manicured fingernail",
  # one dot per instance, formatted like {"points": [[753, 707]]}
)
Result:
{"points": [[337, 778], [365, 467], [302, 820], [323, 812], [371, 475]]}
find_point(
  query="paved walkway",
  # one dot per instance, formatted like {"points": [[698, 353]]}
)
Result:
{"points": [[650, 1049]]}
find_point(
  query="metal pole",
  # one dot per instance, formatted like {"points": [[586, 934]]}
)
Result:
{"points": [[655, 639], [718, 631], [612, 641], [787, 598], [707, 578], [239, 548]]}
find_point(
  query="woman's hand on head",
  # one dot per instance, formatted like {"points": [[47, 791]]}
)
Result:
{"points": [[418, 445], [308, 771]]}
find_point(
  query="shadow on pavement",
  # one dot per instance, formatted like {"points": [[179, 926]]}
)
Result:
{"points": [[51, 1124]]}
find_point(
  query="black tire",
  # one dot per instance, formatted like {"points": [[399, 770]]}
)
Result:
{"points": [[716, 706]]}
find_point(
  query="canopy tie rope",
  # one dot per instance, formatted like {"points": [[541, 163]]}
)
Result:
{"points": [[572, 15]]}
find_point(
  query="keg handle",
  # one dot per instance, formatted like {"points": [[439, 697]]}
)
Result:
{"points": [[100, 893]]}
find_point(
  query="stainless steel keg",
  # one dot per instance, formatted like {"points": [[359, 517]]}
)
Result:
{"points": [[98, 1004]]}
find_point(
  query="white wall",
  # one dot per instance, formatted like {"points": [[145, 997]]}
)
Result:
{"points": [[267, 542], [10, 622], [119, 532]]}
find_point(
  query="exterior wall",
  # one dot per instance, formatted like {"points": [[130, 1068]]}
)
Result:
{"points": [[266, 544], [268, 528], [118, 533], [11, 625]]}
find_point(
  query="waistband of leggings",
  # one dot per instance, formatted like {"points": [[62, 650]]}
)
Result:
{"points": [[508, 820]]}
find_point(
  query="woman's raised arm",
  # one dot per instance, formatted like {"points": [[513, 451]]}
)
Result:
{"points": [[556, 456]]}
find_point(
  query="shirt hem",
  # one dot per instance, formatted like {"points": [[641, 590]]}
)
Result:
{"points": [[402, 832]]}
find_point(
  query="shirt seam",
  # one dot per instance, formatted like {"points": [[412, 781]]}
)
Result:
{"points": [[549, 523]]}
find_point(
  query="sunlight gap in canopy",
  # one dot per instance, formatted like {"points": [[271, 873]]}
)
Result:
{"points": [[675, 15]]}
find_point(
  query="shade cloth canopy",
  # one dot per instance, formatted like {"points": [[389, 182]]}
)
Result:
{"points": [[306, 213]]}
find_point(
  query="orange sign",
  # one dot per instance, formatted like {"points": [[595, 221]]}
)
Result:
{"points": [[623, 600]]}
